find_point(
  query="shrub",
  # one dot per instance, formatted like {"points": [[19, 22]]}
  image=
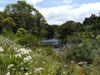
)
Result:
{"points": [[8, 23], [8, 34], [21, 32], [24, 38], [78, 38], [81, 52], [28, 40], [74, 39], [84, 51], [96, 65], [24, 61]]}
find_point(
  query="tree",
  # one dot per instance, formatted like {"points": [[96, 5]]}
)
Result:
{"points": [[52, 31], [8, 24], [27, 17], [41, 24], [24, 38], [92, 20], [69, 28], [19, 12], [92, 24], [1, 17]]}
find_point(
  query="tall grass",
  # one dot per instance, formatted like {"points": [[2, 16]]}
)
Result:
{"points": [[18, 60]]}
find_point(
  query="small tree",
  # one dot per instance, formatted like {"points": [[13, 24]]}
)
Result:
{"points": [[21, 32], [8, 24], [24, 38]]}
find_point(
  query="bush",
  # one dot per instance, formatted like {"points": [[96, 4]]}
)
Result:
{"points": [[15, 60], [78, 38], [81, 52], [8, 23], [8, 34], [84, 51], [74, 39], [26, 39], [21, 32], [96, 65]]}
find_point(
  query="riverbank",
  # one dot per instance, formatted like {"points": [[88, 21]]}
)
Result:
{"points": [[16, 59]]}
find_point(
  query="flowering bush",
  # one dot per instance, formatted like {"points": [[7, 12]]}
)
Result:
{"points": [[18, 60], [1, 49]]}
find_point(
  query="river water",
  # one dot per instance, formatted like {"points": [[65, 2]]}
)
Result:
{"points": [[54, 43]]}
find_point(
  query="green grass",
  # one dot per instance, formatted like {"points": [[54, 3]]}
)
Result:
{"points": [[39, 61]]}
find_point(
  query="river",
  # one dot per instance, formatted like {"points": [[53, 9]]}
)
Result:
{"points": [[54, 43]]}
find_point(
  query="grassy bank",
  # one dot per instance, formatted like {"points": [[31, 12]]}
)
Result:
{"points": [[19, 60]]}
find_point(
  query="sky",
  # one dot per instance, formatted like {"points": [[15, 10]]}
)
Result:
{"points": [[60, 11]]}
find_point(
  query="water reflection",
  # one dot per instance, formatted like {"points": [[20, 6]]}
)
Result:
{"points": [[54, 43]]}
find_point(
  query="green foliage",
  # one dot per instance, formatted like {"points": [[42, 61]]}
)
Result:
{"points": [[24, 24], [81, 52], [84, 51], [12, 60], [21, 32], [8, 34], [49, 51], [92, 24], [24, 38], [27, 17], [68, 28], [8, 24], [96, 65], [52, 31], [92, 20], [78, 38]]}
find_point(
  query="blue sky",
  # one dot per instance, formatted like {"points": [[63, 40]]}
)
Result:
{"points": [[60, 11], [50, 3]]}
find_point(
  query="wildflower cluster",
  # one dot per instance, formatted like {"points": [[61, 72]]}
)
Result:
{"points": [[24, 51], [19, 60], [1, 49], [28, 58], [10, 66], [38, 70]]}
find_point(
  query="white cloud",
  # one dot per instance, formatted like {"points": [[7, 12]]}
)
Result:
{"points": [[67, 1], [34, 1], [1, 8], [61, 14]]}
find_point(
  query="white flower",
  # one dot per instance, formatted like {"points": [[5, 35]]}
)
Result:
{"points": [[80, 45], [1, 49], [39, 50], [22, 68], [65, 65], [26, 73], [8, 73], [14, 69], [43, 62], [37, 70], [34, 55], [18, 55], [24, 51], [10, 66], [28, 58], [64, 73]]}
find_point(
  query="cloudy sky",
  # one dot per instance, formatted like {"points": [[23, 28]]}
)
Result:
{"points": [[60, 11]]}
